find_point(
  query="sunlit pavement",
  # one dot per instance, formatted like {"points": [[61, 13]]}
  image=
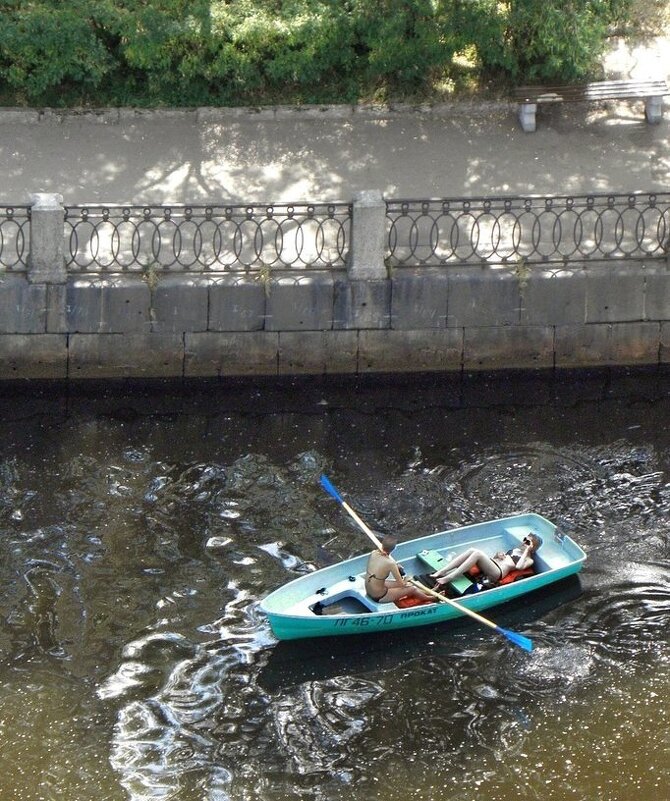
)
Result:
{"points": [[214, 156]]}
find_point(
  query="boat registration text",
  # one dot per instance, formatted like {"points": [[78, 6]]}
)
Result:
{"points": [[384, 620]]}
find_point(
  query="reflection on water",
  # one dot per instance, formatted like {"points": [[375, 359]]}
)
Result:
{"points": [[140, 528]]}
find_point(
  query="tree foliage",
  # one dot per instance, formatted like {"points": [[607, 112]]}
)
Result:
{"points": [[234, 52], [559, 40]]}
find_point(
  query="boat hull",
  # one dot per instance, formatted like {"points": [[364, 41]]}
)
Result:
{"points": [[332, 602]]}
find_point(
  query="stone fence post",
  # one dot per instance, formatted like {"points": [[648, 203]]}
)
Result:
{"points": [[368, 237], [46, 264]]}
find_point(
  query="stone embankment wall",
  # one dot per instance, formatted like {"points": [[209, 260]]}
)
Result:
{"points": [[364, 318]]}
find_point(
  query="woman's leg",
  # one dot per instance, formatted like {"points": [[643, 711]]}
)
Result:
{"points": [[457, 561], [396, 592], [475, 557]]}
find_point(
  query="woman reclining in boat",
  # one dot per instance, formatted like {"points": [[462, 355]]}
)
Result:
{"points": [[495, 567], [380, 566]]}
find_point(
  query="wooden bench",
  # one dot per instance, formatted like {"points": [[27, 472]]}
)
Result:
{"points": [[529, 97]]}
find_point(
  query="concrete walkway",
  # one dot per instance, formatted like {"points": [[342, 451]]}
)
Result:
{"points": [[224, 156]]}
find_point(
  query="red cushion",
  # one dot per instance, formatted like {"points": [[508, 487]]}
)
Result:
{"points": [[513, 575], [406, 603]]}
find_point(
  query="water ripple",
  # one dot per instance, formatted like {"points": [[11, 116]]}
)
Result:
{"points": [[316, 722]]}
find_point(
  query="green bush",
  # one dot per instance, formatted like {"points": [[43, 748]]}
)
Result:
{"points": [[558, 40], [300, 50], [235, 52], [46, 47], [160, 50], [400, 45]]}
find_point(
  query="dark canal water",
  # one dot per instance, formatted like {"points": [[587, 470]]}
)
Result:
{"points": [[140, 528]]}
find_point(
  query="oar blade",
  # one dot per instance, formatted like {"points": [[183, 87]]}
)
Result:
{"points": [[330, 489], [517, 639]]}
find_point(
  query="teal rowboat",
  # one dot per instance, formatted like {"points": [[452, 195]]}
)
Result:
{"points": [[332, 601]]}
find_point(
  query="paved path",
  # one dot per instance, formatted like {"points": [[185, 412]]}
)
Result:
{"points": [[467, 149]]}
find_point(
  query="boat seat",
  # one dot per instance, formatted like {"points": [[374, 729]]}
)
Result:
{"points": [[435, 561], [344, 591]]}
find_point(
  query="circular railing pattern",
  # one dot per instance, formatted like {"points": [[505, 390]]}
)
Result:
{"points": [[496, 231], [207, 238], [14, 238], [536, 229]]}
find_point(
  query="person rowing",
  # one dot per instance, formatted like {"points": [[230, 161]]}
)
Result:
{"points": [[495, 567], [380, 566]]}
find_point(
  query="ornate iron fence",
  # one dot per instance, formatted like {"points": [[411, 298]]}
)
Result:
{"points": [[207, 238], [557, 230], [508, 230], [14, 238]]}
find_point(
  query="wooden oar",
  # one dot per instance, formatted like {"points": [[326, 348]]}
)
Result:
{"points": [[330, 489], [512, 636]]}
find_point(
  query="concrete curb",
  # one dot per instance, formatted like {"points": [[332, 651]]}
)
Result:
{"points": [[207, 114], [19, 115]]}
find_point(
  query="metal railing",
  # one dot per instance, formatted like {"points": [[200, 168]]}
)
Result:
{"points": [[14, 238], [505, 231], [509, 230], [207, 238]]}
